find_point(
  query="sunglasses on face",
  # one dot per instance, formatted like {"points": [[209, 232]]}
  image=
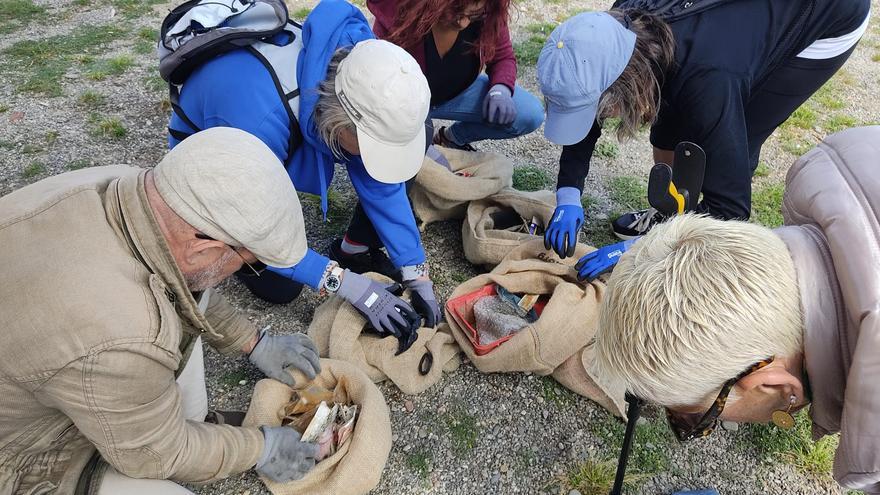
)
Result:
{"points": [[686, 426], [206, 237]]}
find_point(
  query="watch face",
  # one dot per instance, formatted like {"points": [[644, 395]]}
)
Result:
{"points": [[332, 283]]}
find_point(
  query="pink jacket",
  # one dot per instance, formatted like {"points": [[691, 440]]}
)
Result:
{"points": [[501, 69], [831, 208]]}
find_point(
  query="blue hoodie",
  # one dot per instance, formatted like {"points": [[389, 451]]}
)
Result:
{"points": [[236, 90]]}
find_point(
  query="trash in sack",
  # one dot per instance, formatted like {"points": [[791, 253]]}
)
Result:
{"points": [[330, 428], [360, 429], [503, 315], [498, 224]]}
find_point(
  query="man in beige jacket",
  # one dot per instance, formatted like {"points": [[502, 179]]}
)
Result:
{"points": [[106, 292], [733, 321]]}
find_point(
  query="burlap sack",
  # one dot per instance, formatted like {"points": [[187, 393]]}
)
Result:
{"points": [[559, 343], [484, 235], [440, 194], [337, 330], [357, 466]]}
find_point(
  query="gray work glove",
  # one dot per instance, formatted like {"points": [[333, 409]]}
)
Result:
{"points": [[498, 107], [284, 457], [385, 311], [424, 301], [274, 353]]}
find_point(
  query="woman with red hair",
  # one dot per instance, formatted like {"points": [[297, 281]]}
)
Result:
{"points": [[453, 41]]}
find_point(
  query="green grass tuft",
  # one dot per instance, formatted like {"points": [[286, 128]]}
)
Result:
{"points": [[16, 14], [302, 13], [839, 122], [762, 170], [131, 9], [420, 462], [607, 149], [803, 118], [767, 205], [78, 164], [156, 83], [231, 379], [794, 446], [146, 40], [462, 429], [527, 51], [528, 178], [34, 169], [4, 108], [629, 193], [651, 445], [109, 127], [593, 477], [556, 394], [40, 64], [101, 69], [91, 99]]}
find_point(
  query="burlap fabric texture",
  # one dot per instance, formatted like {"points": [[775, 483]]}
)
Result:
{"points": [[488, 232], [560, 341], [357, 466], [337, 330], [442, 194]]}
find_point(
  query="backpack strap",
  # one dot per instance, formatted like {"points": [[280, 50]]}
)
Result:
{"points": [[174, 98]]}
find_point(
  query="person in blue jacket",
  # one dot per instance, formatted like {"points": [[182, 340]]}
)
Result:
{"points": [[723, 74], [363, 103]]}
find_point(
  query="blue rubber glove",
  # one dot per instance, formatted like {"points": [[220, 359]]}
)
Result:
{"points": [[498, 107], [601, 260], [562, 233]]}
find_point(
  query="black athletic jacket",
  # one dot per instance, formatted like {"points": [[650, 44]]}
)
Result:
{"points": [[724, 50]]}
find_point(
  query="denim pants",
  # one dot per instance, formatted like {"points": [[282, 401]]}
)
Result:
{"points": [[466, 110]]}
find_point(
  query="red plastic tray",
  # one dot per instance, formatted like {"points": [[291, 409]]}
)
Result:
{"points": [[462, 310]]}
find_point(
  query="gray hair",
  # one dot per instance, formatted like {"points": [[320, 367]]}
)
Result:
{"points": [[330, 116], [694, 303]]}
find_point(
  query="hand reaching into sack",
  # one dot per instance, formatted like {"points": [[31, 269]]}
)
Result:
{"points": [[285, 458], [601, 260], [273, 354], [498, 107], [387, 313], [424, 301]]}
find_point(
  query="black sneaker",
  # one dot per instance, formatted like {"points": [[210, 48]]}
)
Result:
{"points": [[633, 224], [440, 139], [373, 260]]}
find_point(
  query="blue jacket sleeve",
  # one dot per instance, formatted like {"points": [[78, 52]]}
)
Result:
{"points": [[308, 271], [387, 206], [235, 90]]}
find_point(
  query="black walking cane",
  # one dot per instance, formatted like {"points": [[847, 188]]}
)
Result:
{"points": [[633, 411]]}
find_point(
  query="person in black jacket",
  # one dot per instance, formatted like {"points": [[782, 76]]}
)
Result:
{"points": [[723, 74]]}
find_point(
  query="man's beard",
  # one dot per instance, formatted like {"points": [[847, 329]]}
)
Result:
{"points": [[209, 277]]}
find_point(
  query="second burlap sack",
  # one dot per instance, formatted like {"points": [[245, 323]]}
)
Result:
{"points": [[486, 232], [560, 341], [441, 193], [337, 331], [357, 466]]}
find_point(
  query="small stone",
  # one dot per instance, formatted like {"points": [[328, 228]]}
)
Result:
{"points": [[16, 117], [561, 446], [730, 425], [574, 492], [441, 410], [642, 421], [540, 400], [410, 407], [496, 477], [406, 448], [394, 437], [504, 468], [423, 433], [242, 382], [545, 414]]}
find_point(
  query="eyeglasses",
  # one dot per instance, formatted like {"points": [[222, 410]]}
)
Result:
{"points": [[685, 426], [206, 237], [689, 426], [472, 18]]}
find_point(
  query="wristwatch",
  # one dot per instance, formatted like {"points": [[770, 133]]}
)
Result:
{"points": [[334, 279]]}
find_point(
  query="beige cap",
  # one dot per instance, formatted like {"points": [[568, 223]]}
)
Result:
{"points": [[383, 91], [229, 185]]}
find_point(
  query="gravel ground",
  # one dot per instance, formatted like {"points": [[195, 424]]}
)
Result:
{"points": [[472, 433]]}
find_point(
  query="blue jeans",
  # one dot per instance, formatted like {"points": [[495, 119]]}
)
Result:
{"points": [[467, 110]]}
